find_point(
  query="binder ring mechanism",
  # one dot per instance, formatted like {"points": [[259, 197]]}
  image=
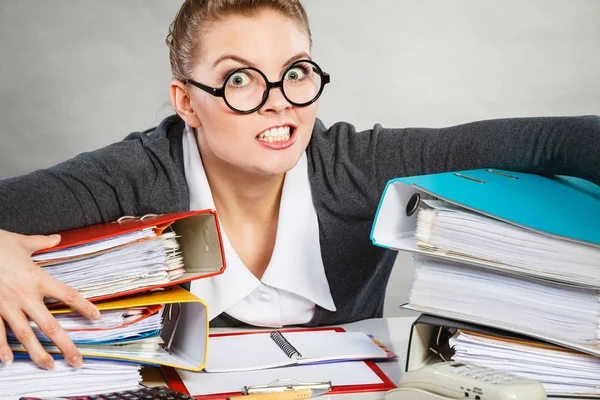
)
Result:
{"points": [[130, 217], [283, 384], [170, 324], [413, 204], [491, 171]]}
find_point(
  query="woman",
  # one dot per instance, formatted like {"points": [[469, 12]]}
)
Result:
{"points": [[296, 199]]}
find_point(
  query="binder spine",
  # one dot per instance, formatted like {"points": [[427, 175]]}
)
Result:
{"points": [[284, 345]]}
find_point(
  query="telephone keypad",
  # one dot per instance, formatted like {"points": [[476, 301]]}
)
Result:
{"points": [[485, 374]]}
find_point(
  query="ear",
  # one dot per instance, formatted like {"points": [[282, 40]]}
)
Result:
{"points": [[180, 98]]}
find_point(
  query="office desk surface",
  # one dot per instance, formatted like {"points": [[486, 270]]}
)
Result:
{"points": [[392, 332]]}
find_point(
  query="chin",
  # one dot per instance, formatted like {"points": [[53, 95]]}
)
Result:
{"points": [[278, 165]]}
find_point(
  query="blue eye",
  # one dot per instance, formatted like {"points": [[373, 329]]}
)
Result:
{"points": [[295, 74], [239, 79]]}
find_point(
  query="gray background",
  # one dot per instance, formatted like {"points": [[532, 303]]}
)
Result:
{"points": [[77, 75]]}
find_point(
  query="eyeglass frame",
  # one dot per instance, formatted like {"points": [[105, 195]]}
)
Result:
{"points": [[220, 92]]}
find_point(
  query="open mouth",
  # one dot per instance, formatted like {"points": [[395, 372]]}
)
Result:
{"points": [[277, 135]]}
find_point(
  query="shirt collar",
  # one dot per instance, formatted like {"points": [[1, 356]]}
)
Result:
{"points": [[296, 264]]}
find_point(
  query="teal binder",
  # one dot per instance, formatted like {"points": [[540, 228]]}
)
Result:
{"points": [[563, 207], [560, 207]]}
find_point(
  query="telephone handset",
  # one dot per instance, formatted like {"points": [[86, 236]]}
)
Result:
{"points": [[456, 380]]}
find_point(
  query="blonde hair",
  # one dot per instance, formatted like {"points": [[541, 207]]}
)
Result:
{"points": [[184, 38]]}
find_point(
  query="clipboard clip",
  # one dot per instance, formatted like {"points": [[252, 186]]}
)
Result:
{"points": [[283, 384]]}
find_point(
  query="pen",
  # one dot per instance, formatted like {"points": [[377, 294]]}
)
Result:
{"points": [[294, 394]]}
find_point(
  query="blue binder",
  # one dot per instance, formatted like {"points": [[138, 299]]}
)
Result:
{"points": [[564, 207]]}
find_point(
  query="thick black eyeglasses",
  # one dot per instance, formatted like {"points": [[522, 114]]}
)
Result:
{"points": [[246, 90]]}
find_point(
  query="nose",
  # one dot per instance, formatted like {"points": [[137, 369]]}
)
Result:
{"points": [[276, 102]]}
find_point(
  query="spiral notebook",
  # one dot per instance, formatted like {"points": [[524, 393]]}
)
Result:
{"points": [[252, 351]]}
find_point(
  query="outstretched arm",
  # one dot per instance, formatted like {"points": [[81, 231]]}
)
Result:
{"points": [[365, 161], [133, 177]]}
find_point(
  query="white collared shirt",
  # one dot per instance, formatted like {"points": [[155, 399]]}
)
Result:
{"points": [[294, 280]]}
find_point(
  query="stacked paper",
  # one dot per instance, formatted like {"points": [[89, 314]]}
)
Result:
{"points": [[561, 371], [163, 327], [444, 228], [505, 250], [131, 268], [559, 311], [119, 331], [536, 284], [119, 264], [24, 378]]}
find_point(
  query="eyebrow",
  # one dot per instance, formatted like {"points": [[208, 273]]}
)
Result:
{"points": [[303, 55]]}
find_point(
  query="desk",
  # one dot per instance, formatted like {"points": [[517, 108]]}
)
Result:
{"points": [[392, 332]]}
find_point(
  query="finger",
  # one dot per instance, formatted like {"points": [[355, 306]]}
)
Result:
{"points": [[51, 328], [6, 354], [24, 334], [59, 291], [38, 242]]}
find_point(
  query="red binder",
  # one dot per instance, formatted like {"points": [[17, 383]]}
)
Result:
{"points": [[199, 235], [174, 381]]}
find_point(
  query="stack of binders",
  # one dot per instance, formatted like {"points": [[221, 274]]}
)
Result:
{"points": [[132, 270], [507, 272]]}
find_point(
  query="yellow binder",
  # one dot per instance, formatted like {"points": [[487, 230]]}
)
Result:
{"points": [[184, 331]]}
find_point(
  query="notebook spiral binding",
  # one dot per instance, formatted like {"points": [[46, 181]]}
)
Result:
{"points": [[284, 345]]}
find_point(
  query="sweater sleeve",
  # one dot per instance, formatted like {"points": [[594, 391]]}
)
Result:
{"points": [[133, 177], [357, 165]]}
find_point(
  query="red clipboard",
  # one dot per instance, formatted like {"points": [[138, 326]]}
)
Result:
{"points": [[201, 229], [173, 380]]}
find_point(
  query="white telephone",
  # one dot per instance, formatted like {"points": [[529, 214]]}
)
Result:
{"points": [[455, 380]]}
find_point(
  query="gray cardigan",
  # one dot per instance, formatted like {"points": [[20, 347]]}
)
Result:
{"points": [[347, 170]]}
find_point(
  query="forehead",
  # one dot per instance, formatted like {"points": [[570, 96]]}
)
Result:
{"points": [[267, 39]]}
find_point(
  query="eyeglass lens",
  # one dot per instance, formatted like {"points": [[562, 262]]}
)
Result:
{"points": [[246, 89]]}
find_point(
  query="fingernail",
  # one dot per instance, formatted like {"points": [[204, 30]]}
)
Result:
{"points": [[76, 361], [97, 315], [48, 363], [55, 238], [6, 360]]}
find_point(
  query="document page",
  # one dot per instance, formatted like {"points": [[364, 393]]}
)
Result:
{"points": [[259, 351], [340, 374], [24, 378], [559, 370]]}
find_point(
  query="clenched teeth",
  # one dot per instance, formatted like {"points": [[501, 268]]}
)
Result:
{"points": [[275, 134]]}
